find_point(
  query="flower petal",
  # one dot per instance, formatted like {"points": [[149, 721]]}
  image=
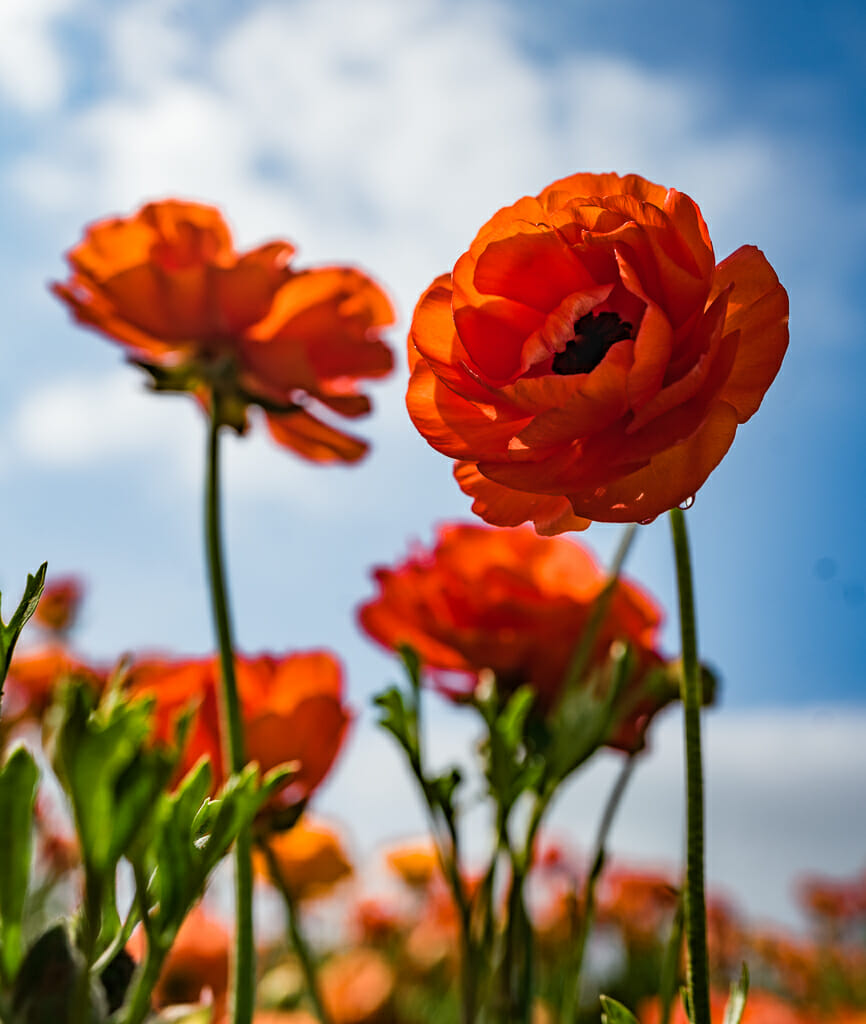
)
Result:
{"points": [[313, 439], [670, 478], [501, 506], [758, 309]]}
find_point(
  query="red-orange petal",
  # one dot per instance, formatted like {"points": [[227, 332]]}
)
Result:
{"points": [[501, 506], [758, 309], [670, 478], [313, 439]]}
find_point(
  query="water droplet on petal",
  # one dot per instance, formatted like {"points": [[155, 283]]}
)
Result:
{"points": [[687, 503], [646, 522]]}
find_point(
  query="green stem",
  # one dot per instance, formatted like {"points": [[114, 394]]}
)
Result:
{"points": [[243, 981], [296, 935], [147, 976], [571, 998], [583, 651], [697, 976], [88, 934]]}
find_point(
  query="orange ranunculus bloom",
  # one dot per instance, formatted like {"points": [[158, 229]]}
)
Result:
{"points": [[237, 329], [58, 607], [292, 709], [417, 864], [198, 961], [357, 987], [311, 859], [35, 675], [638, 902], [587, 359], [514, 603]]}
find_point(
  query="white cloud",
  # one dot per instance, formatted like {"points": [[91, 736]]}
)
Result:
{"points": [[32, 72]]}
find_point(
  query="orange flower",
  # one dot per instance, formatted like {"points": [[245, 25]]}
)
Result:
{"points": [[292, 709], [35, 675], [416, 864], [639, 902], [237, 329], [587, 360], [198, 960], [761, 1008], [311, 859], [357, 987], [58, 606], [514, 603]]}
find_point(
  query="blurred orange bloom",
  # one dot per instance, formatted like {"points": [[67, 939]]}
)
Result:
{"points": [[415, 863], [586, 359], [514, 603], [638, 902], [237, 329], [311, 859], [292, 709], [834, 902], [198, 960], [376, 920], [356, 987], [761, 1008], [58, 607], [35, 675]]}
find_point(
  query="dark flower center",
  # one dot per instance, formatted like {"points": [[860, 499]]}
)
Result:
{"points": [[594, 334]]}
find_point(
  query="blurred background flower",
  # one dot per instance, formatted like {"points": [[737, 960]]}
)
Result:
{"points": [[385, 145]]}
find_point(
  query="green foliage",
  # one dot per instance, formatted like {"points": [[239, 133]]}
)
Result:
{"points": [[111, 772], [509, 766], [615, 1013], [585, 716], [18, 779], [737, 999], [26, 607], [190, 835]]}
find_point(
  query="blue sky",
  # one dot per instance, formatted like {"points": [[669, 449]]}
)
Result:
{"points": [[385, 133]]}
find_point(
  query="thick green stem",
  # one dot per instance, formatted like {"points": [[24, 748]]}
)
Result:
{"points": [[571, 998], [697, 978], [296, 935], [147, 976], [243, 981]]}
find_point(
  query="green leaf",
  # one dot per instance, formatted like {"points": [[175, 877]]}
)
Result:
{"points": [[399, 719], [737, 999], [190, 837], [18, 779], [26, 607], [613, 1012], [111, 771], [585, 715]]}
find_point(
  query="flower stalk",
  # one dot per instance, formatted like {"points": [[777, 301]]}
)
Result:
{"points": [[697, 977], [571, 996], [243, 978], [296, 935]]}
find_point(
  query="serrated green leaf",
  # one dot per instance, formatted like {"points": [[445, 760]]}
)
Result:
{"points": [[737, 998], [18, 780], [613, 1012], [398, 719], [111, 772], [26, 607], [412, 663]]}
